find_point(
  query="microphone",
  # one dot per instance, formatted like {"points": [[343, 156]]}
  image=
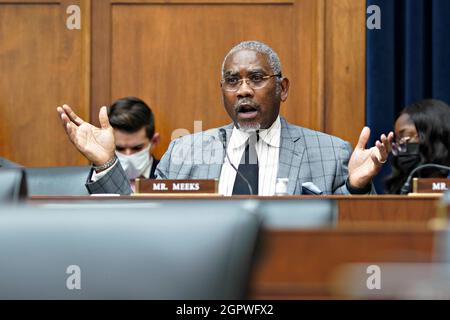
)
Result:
{"points": [[223, 138], [407, 185]]}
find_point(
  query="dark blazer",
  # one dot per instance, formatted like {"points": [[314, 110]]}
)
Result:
{"points": [[153, 169]]}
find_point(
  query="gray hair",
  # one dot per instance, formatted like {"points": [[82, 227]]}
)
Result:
{"points": [[272, 57]]}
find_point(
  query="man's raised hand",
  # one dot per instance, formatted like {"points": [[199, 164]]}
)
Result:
{"points": [[365, 163], [96, 144]]}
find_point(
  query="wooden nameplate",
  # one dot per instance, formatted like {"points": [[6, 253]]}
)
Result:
{"points": [[185, 187], [430, 185]]}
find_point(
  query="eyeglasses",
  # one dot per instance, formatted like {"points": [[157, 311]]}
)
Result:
{"points": [[400, 146], [255, 81]]}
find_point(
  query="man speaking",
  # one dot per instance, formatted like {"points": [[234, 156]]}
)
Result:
{"points": [[248, 155]]}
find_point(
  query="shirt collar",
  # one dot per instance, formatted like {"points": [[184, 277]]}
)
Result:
{"points": [[270, 136]]}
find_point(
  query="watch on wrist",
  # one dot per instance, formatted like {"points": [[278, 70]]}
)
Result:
{"points": [[106, 165], [357, 191]]}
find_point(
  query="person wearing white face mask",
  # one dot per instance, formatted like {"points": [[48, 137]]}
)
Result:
{"points": [[138, 164], [135, 138]]}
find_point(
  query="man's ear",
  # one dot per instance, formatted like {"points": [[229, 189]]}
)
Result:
{"points": [[155, 140], [284, 89]]}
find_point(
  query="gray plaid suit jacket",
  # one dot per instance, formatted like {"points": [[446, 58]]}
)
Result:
{"points": [[4, 163], [305, 156]]}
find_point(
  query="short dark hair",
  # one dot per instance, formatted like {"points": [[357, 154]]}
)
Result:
{"points": [[432, 121], [130, 114]]}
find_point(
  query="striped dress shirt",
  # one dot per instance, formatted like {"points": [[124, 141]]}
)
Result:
{"points": [[268, 151]]}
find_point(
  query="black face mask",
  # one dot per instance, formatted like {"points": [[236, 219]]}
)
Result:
{"points": [[408, 160]]}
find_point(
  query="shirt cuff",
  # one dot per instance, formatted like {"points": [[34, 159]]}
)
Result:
{"points": [[97, 176], [353, 190]]}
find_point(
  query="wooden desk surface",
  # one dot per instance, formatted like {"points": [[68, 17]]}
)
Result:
{"points": [[301, 264]]}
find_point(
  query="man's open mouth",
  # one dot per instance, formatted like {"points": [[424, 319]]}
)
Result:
{"points": [[247, 111]]}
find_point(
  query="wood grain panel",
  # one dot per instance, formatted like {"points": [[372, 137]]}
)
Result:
{"points": [[170, 55], [42, 65], [101, 58], [388, 210], [301, 264], [345, 68], [154, 48], [140, 44]]}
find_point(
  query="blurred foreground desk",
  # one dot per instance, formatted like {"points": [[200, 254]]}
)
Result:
{"points": [[299, 264], [352, 209]]}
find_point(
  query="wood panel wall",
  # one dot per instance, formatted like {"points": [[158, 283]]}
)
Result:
{"points": [[169, 53], [42, 64], [345, 68]]}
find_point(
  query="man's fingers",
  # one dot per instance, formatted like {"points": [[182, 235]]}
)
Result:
{"points": [[391, 136], [103, 118], [382, 152], [386, 144], [72, 115], [363, 138], [376, 160], [62, 114], [68, 125], [71, 130], [65, 120], [382, 148], [390, 139]]}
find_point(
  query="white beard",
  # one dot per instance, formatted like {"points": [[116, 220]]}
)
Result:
{"points": [[249, 127]]}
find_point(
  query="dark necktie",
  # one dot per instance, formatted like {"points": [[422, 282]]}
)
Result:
{"points": [[249, 168]]}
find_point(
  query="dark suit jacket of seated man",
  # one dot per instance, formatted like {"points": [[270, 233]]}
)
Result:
{"points": [[253, 88]]}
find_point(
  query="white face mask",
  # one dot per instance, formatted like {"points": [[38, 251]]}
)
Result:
{"points": [[136, 164]]}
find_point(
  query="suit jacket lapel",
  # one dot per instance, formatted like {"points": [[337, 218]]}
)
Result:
{"points": [[213, 153], [291, 154], [292, 150]]}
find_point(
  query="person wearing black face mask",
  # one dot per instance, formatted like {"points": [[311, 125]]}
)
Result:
{"points": [[422, 135], [406, 153]]}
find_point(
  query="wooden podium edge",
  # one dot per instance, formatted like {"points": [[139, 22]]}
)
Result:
{"points": [[193, 195], [430, 195]]}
